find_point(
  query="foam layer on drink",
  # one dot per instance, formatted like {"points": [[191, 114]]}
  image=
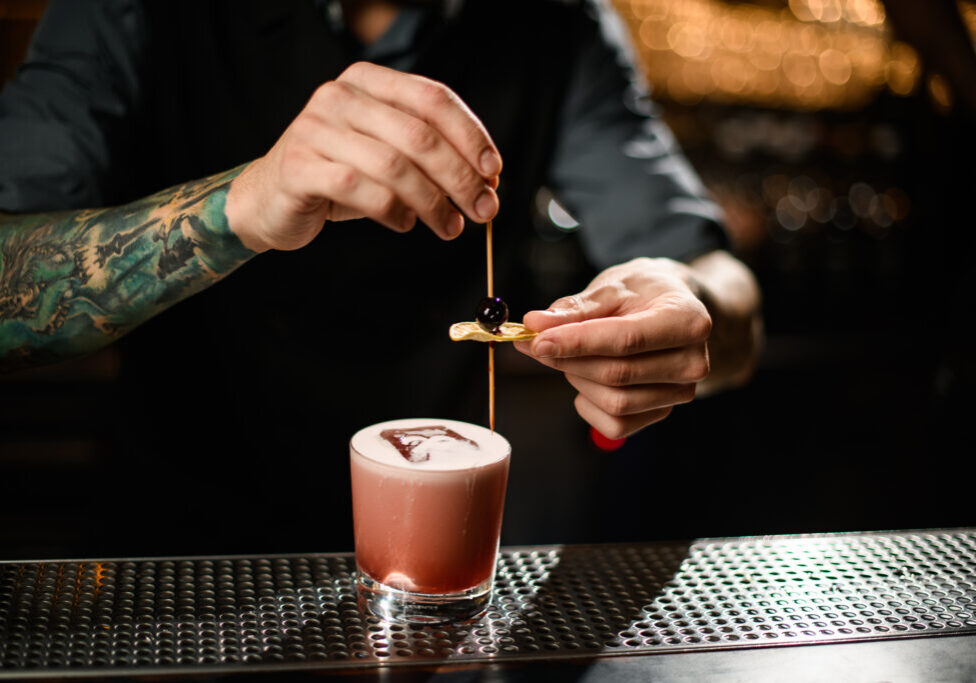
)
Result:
{"points": [[430, 444]]}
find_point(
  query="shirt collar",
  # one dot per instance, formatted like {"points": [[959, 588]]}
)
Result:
{"points": [[397, 47], [399, 38]]}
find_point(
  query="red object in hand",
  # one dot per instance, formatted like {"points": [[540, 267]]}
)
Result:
{"points": [[605, 443]]}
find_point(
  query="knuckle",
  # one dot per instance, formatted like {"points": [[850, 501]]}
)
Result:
{"points": [[434, 93], [392, 164], [356, 69], [386, 203], [604, 292], [615, 429], [566, 303], [292, 162], [330, 93], [617, 373], [431, 202], [701, 327], [631, 341], [345, 179], [323, 92], [697, 368], [570, 345], [466, 178], [579, 403], [421, 137], [302, 128], [617, 403]]}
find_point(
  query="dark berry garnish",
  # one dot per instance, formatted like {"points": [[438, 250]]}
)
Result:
{"points": [[491, 313]]}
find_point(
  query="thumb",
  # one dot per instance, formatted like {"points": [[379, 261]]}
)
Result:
{"points": [[570, 309]]}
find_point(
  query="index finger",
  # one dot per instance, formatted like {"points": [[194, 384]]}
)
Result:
{"points": [[436, 104], [619, 336]]}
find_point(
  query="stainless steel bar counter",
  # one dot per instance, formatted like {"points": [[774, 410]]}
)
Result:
{"points": [[724, 608]]}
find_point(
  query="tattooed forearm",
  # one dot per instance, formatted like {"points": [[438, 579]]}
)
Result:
{"points": [[73, 281]]}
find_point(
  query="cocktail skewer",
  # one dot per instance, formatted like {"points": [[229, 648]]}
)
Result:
{"points": [[491, 344]]}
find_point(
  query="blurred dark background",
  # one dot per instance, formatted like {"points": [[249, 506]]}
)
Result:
{"points": [[843, 158]]}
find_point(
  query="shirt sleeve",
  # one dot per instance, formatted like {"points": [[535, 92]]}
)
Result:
{"points": [[618, 169], [65, 116]]}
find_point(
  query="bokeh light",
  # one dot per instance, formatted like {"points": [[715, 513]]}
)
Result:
{"points": [[805, 55]]}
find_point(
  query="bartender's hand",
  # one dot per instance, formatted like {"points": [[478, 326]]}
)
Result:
{"points": [[376, 143], [633, 343]]}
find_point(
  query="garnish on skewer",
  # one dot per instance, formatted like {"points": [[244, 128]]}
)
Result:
{"points": [[491, 313], [491, 318], [491, 325], [507, 332]]}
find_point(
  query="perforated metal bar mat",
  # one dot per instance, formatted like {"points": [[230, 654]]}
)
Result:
{"points": [[220, 614]]}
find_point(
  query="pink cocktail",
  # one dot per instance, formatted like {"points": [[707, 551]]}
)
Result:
{"points": [[427, 511]]}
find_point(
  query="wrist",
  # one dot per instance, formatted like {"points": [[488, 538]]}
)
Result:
{"points": [[731, 294], [240, 212], [221, 248]]}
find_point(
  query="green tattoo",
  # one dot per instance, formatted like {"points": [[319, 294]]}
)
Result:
{"points": [[74, 281]]}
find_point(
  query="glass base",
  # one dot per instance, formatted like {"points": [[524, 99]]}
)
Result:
{"points": [[402, 606]]}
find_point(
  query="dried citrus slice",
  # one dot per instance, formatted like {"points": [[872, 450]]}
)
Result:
{"points": [[475, 332]]}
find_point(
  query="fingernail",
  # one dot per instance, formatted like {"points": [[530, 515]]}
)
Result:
{"points": [[544, 349], [490, 163], [484, 206], [455, 224]]}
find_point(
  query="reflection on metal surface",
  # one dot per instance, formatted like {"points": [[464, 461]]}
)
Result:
{"points": [[550, 602]]}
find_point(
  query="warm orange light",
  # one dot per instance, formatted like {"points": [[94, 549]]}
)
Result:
{"points": [[902, 70], [810, 54], [835, 66], [939, 91]]}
